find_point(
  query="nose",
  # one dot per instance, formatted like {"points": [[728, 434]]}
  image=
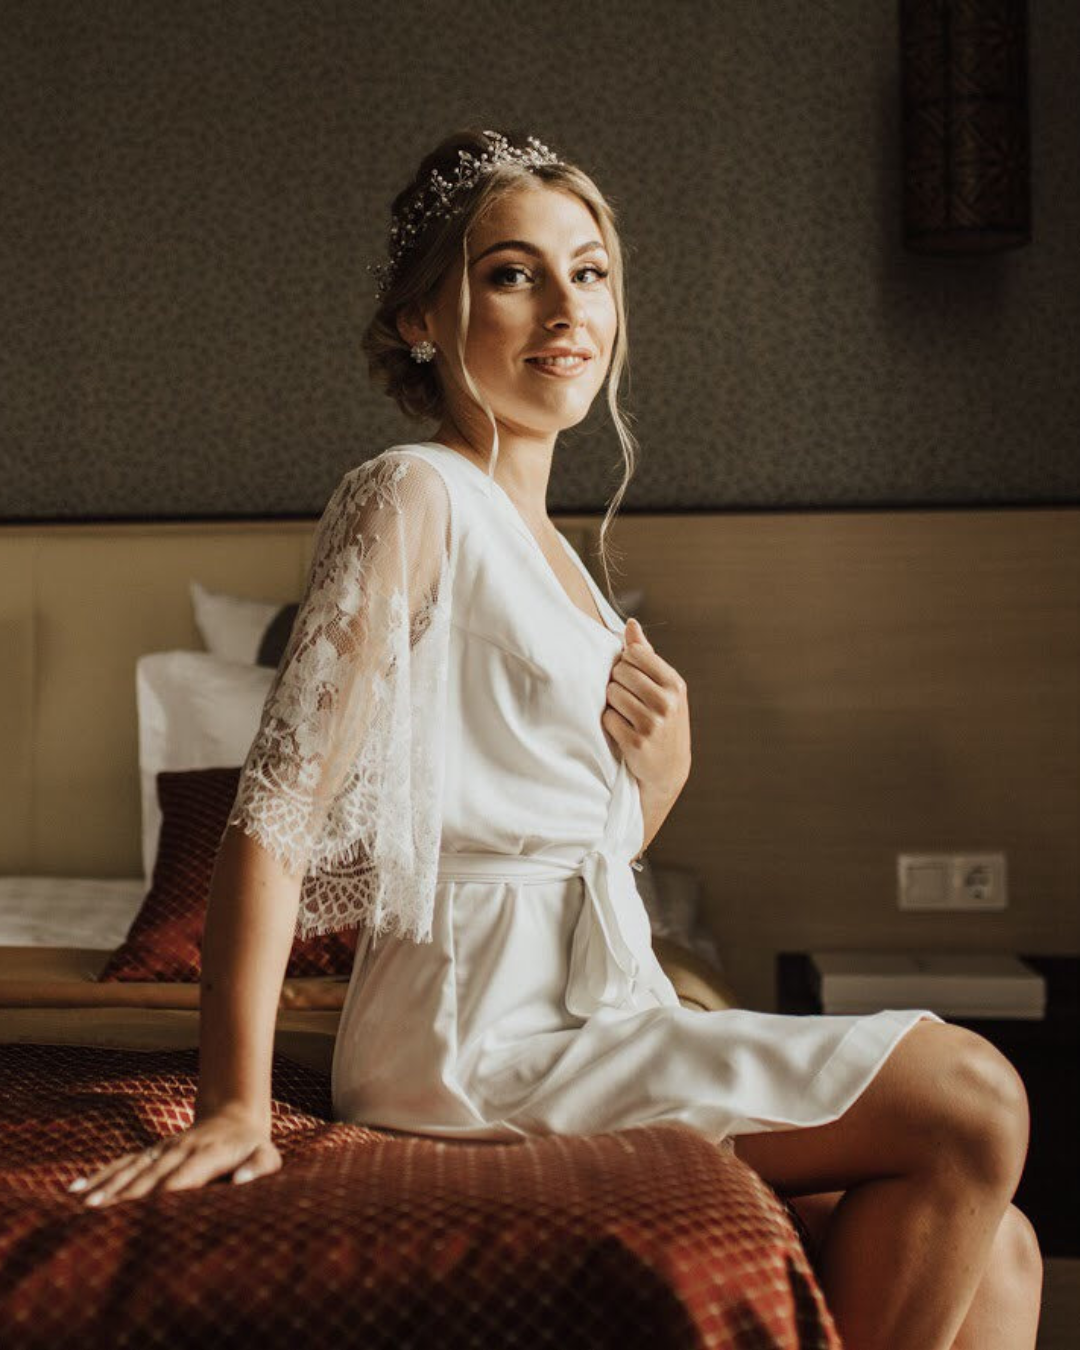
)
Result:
{"points": [[568, 307]]}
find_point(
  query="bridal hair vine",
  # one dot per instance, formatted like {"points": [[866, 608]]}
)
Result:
{"points": [[437, 197]]}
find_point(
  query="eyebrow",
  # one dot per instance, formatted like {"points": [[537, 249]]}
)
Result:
{"points": [[525, 247]]}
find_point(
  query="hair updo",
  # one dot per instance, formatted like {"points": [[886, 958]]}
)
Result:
{"points": [[415, 386]]}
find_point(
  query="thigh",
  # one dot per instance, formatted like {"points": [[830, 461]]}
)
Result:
{"points": [[933, 1086]]}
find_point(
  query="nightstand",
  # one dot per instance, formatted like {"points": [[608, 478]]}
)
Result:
{"points": [[1046, 1054]]}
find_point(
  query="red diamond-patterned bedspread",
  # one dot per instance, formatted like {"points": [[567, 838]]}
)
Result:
{"points": [[645, 1237]]}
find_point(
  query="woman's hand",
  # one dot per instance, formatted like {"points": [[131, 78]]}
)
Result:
{"points": [[225, 1140], [648, 717]]}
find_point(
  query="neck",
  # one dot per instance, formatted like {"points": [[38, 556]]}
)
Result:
{"points": [[523, 467]]}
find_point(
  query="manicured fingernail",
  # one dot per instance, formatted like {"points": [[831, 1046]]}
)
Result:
{"points": [[95, 1199], [243, 1174], [79, 1184]]}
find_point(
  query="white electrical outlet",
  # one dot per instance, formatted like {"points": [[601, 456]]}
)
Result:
{"points": [[966, 881]]}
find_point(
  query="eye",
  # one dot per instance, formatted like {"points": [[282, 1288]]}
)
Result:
{"points": [[505, 276], [497, 276]]}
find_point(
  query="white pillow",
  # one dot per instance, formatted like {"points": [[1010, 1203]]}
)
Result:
{"points": [[195, 711], [91, 912], [232, 628]]}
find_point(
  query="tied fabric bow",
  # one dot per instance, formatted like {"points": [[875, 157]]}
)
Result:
{"points": [[605, 958]]}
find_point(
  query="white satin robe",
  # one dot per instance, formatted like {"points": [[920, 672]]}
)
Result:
{"points": [[539, 1006]]}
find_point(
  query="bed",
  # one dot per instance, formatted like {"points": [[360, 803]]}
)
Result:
{"points": [[136, 657]]}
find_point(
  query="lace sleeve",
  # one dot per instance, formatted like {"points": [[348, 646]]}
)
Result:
{"points": [[343, 781]]}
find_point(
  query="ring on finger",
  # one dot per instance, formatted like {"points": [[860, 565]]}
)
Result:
{"points": [[150, 1154]]}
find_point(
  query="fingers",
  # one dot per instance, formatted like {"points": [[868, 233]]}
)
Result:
{"points": [[656, 698], [646, 659], [195, 1168], [160, 1174], [132, 1174], [634, 680], [631, 708], [181, 1166], [264, 1160], [203, 1164], [616, 725], [637, 633], [85, 1186]]}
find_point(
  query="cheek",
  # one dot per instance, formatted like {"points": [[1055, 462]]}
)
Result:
{"points": [[611, 320], [493, 336], [604, 322]]}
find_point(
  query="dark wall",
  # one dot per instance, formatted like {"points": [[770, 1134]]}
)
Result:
{"points": [[192, 191]]}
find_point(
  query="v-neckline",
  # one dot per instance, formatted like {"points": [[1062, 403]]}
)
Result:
{"points": [[600, 622]]}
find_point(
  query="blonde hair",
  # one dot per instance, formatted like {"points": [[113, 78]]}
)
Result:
{"points": [[415, 387]]}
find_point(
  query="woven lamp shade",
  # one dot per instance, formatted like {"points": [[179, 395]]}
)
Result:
{"points": [[967, 144]]}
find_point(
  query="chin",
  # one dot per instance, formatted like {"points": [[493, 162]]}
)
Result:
{"points": [[567, 411], [552, 424]]}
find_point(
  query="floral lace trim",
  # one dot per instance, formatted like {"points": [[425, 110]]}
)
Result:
{"points": [[343, 781]]}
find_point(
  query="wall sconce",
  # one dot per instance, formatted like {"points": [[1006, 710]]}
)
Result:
{"points": [[967, 147]]}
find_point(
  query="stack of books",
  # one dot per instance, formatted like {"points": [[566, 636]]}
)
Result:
{"points": [[952, 984]]}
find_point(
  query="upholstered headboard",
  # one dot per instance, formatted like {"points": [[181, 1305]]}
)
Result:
{"points": [[79, 604], [861, 683]]}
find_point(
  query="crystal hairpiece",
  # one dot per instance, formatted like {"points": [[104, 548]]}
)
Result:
{"points": [[437, 198]]}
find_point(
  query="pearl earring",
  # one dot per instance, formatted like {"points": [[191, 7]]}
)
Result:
{"points": [[423, 351]]}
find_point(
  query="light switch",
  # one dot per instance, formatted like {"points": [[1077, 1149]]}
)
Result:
{"points": [[925, 883], [971, 881], [928, 885]]}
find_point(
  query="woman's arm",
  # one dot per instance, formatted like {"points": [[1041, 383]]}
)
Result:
{"points": [[248, 935], [250, 924], [655, 808]]}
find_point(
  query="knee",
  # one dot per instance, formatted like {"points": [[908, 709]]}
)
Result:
{"points": [[989, 1111], [1016, 1256]]}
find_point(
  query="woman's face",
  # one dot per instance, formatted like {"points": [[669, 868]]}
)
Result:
{"points": [[550, 288]]}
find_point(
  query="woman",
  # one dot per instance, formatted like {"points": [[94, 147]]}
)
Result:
{"points": [[464, 750]]}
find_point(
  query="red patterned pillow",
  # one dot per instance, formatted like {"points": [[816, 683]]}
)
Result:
{"points": [[165, 939]]}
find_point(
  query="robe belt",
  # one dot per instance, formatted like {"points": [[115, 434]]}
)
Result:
{"points": [[611, 951]]}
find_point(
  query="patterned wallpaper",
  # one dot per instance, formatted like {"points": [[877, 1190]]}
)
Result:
{"points": [[193, 189]]}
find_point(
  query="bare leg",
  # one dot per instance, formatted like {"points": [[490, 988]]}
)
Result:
{"points": [[928, 1157], [1004, 1312], [903, 1257]]}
